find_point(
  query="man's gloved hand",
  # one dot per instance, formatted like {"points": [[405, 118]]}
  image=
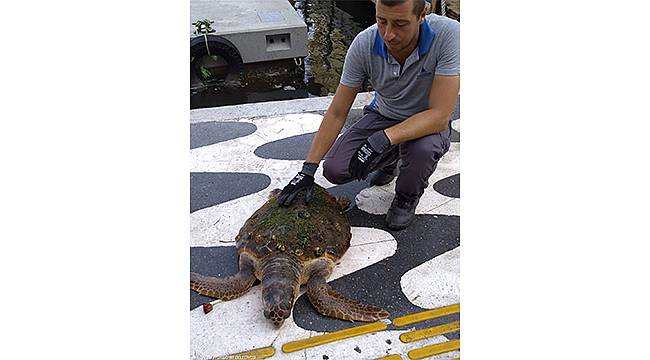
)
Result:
{"points": [[304, 180], [369, 154]]}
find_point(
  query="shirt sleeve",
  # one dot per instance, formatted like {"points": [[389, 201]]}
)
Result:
{"points": [[353, 66], [449, 57]]}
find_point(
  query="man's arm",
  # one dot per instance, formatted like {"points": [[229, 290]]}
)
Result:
{"points": [[332, 123], [329, 129], [442, 99]]}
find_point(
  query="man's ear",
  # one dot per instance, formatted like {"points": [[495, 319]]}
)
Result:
{"points": [[422, 15], [425, 10]]}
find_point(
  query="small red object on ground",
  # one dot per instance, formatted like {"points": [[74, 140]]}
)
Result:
{"points": [[207, 307]]}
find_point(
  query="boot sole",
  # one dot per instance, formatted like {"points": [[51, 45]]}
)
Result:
{"points": [[399, 226]]}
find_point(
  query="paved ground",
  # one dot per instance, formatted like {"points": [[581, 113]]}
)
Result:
{"points": [[238, 155]]}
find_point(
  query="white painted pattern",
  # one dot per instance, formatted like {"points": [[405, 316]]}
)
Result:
{"points": [[254, 331], [217, 333], [272, 108], [435, 283]]}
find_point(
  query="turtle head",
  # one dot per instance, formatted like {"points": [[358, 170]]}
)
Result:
{"points": [[278, 301], [280, 285]]}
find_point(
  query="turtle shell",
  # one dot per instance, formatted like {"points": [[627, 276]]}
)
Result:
{"points": [[307, 231]]}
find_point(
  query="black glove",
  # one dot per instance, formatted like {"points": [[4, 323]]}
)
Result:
{"points": [[369, 154], [304, 180]]}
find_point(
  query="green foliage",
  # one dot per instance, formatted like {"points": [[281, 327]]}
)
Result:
{"points": [[205, 73], [298, 222]]}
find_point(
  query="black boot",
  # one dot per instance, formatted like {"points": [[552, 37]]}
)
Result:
{"points": [[381, 178], [401, 212]]}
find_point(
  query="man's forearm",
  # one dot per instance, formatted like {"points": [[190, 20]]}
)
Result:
{"points": [[327, 133], [421, 124]]}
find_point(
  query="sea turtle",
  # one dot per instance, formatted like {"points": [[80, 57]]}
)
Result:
{"points": [[288, 247]]}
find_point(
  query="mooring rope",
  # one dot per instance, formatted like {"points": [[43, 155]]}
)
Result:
{"points": [[205, 38], [203, 27]]}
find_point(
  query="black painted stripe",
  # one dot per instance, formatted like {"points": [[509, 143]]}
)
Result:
{"points": [[209, 133], [218, 261], [291, 148], [209, 189], [449, 186]]}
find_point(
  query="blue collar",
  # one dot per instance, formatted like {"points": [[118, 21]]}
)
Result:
{"points": [[426, 40]]}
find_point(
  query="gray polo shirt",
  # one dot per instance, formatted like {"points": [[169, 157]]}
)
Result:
{"points": [[401, 93]]}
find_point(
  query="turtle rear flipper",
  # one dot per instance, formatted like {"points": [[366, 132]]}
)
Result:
{"points": [[225, 288], [329, 302]]}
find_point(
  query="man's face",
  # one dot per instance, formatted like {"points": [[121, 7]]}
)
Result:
{"points": [[398, 25]]}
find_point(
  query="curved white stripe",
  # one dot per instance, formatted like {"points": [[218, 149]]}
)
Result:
{"points": [[434, 283]]}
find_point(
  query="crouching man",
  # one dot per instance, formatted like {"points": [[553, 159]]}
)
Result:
{"points": [[412, 62]]}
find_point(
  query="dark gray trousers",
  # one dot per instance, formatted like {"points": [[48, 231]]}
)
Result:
{"points": [[419, 156]]}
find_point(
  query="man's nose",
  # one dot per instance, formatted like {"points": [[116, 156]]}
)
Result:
{"points": [[390, 35]]}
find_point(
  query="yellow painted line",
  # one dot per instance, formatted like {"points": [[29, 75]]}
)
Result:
{"points": [[333, 336], [261, 353], [429, 332], [436, 349], [390, 357], [426, 315]]}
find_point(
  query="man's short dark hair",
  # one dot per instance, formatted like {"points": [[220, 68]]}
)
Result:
{"points": [[418, 5]]}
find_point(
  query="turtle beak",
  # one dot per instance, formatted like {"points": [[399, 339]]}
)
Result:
{"points": [[276, 315], [278, 302]]}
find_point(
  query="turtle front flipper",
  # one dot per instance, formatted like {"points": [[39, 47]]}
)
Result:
{"points": [[329, 302], [225, 288]]}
